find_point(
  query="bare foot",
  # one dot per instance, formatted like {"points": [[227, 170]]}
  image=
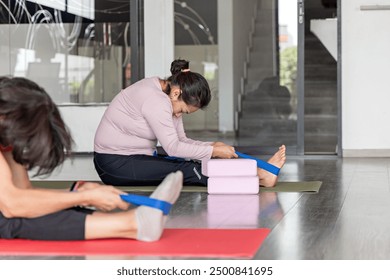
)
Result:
{"points": [[268, 179]]}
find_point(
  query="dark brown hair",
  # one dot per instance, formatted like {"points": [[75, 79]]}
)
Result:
{"points": [[32, 125], [194, 87]]}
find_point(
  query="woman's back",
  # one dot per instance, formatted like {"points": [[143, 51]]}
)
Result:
{"points": [[124, 128]]}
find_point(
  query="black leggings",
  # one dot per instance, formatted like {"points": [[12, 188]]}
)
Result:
{"points": [[68, 224], [143, 170]]}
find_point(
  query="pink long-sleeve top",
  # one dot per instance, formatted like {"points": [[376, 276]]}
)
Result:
{"points": [[141, 115]]}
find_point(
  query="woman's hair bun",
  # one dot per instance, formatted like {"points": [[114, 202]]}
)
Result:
{"points": [[178, 65]]}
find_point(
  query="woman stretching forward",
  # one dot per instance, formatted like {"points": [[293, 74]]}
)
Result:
{"points": [[149, 111], [33, 135]]}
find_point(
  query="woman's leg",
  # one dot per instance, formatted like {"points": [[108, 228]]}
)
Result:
{"points": [[143, 170], [106, 225], [268, 179], [143, 223]]}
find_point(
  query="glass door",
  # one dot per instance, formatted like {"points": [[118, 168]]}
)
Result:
{"points": [[269, 107], [320, 72], [81, 52], [281, 77]]}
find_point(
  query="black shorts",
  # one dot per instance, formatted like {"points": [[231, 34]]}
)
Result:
{"points": [[143, 170], [68, 224]]}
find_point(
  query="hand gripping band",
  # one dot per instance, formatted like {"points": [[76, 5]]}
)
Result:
{"points": [[164, 206], [262, 164]]}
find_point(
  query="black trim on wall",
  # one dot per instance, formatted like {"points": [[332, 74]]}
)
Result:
{"points": [[137, 40], [339, 80]]}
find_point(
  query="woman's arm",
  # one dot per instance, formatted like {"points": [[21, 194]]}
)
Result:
{"points": [[182, 134], [30, 203], [220, 149], [158, 114], [18, 172]]}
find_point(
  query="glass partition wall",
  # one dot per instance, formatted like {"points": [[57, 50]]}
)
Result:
{"points": [[196, 40], [79, 51], [265, 60], [285, 80]]}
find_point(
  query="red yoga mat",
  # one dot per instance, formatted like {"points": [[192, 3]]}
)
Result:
{"points": [[218, 243]]}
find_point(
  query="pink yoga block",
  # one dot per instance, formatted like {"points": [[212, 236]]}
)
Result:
{"points": [[233, 185], [229, 167]]}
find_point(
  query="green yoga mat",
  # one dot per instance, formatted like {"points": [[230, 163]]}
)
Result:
{"points": [[308, 186], [305, 186]]}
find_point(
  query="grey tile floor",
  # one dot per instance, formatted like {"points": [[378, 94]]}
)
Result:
{"points": [[348, 219]]}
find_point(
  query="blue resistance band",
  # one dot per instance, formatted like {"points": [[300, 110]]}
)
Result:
{"points": [[168, 157], [164, 206], [262, 164]]}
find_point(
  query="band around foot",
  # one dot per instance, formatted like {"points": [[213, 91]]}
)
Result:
{"points": [[262, 164], [164, 206]]}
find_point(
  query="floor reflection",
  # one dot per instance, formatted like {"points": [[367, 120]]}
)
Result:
{"points": [[271, 211], [233, 211]]}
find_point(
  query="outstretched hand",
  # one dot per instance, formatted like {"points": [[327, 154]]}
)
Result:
{"points": [[224, 151], [218, 144], [104, 198]]}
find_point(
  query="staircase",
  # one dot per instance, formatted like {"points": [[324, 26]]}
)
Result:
{"points": [[260, 64], [321, 124], [267, 116]]}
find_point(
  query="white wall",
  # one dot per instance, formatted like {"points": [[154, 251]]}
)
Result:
{"points": [[82, 122], [225, 60], [159, 37], [365, 79]]}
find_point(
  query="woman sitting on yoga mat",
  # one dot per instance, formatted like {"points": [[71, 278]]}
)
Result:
{"points": [[150, 111], [33, 136]]}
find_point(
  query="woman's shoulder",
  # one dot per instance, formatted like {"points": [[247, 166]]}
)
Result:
{"points": [[153, 82], [153, 86], [144, 85]]}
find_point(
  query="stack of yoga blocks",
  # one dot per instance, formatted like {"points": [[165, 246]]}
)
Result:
{"points": [[231, 176]]}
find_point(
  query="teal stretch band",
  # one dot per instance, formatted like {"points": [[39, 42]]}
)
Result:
{"points": [[164, 206], [262, 164]]}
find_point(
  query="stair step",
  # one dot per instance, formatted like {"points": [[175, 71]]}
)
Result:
{"points": [[320, 89], [251, 85], [260, 97], [267, 140], [316, 143], [259, 59], [266, 106], [258, 73], [262, 28], [262, 43], [268, 124], [312, 42], [320, 74], [319, 57], [264, 15], [313, 126], [320, 105], [322, 124]]}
